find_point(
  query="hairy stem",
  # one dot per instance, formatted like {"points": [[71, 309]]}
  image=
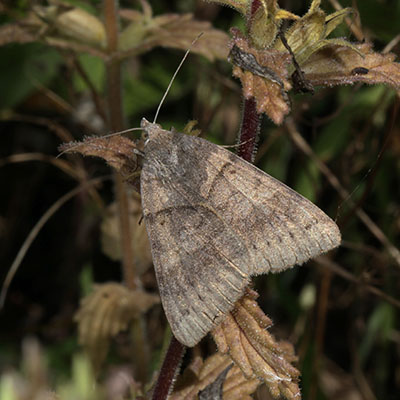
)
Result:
{"points": [[251, 120], [249, 130], [169, 370]]}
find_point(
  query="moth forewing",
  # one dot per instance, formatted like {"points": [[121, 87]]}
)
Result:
{"points": [[214, 220]]}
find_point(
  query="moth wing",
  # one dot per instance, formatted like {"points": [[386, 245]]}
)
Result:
{"points": [[200, 263], [215, 220], [280, 227]]}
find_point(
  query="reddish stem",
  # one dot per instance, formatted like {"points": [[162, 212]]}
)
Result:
{"points": [[169, 370], [255, 5], [247, 140], [251, 119], [249, 130]]}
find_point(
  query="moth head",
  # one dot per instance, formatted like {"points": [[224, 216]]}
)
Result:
{"points": [[149, 129]]}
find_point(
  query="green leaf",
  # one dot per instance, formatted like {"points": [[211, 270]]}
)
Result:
{"points": [[307, 181], [94, 69], [379, 327], [24, 69], [145, 92], [7, 391]]}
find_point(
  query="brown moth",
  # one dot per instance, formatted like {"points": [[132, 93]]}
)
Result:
{"points": [[213, 221]]}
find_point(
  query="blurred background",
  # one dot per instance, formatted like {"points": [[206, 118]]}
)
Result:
{"points": [[341, 312]]}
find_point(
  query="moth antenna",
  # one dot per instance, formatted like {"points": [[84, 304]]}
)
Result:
{"points": [[98, 137], [174, 76], [235, 146]]}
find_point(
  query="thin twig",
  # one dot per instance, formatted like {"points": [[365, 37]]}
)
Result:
{"points": [[35, 231], [354, 27], [97, 100], [344, 194], [322, 311], [338, 270], [26, 157]]}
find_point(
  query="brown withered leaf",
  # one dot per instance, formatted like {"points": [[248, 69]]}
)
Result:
{"points": [[244, 337], [117, 151], [264, 76], [199, 375], [175, 31], [105, 312], [337, 65], [178, 31], [111, 235]]}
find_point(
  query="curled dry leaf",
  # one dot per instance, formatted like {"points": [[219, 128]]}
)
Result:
{"points": [[338, 65], [264, 76], [111, 235], [117, 151], [200, 375], [107, 311], [244, 337]]}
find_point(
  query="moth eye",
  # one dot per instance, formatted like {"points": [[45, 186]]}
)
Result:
{"points": [[145, 136]]}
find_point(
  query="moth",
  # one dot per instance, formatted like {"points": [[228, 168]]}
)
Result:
{"points": [[213, 221]]}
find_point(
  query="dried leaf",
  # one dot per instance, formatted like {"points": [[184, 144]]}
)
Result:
{"points": [[111, 235], [337, 65], [176, 31], [198, 376], [270, 89], [244, 337], [117, 151], [180, 30], [105, 312]]}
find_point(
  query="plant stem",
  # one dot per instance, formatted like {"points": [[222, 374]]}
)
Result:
{"points": [[251, 120], [249, 130], [114, 99], [169, 370], [140, 348]]}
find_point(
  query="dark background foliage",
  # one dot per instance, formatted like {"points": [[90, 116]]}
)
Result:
{"points": [[343, 319]]}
